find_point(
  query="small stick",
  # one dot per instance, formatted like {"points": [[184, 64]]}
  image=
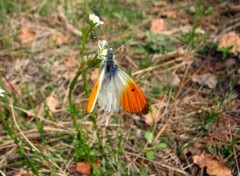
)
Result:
{"points": [[123, 45]]}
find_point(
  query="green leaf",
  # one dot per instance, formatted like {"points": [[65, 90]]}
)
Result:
{"points": [[160, 145], [149, 136], [150, 154], [144, 171]]}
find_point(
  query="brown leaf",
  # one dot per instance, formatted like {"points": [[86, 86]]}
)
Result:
{"points": [[214, 166], [206, 79], [157, 25], [22, 173], [83, 168], [52, 102], [151, 117], [169, 78], [26, 35], [11, 87], [59, 39], [230, 39]]}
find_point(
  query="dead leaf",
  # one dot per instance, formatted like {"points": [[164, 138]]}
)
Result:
{"points": [[52, 103], [26, 35], [59, 39], [230, 39], [84, 168], [22, 173], [169, 78], [157, 25], [214, 166], [11, 87], [151, 117], [206, 79]]}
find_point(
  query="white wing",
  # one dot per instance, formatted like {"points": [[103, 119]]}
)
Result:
{"points": [[109, 94]]}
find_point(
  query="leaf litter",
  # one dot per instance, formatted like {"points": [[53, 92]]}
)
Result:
{"points": [[52, 102], [157, 25], [207, 79], [230, 39], [184, 114], [26, 35], [214, 166]]}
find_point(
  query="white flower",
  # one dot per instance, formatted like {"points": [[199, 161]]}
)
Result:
{"points": [[104, 52], [102, 49], [95, 19], [102, 44], [85, 58], [1, 92]]}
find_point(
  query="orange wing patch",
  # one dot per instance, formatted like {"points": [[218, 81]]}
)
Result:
{"points": [[92, 99], [133, 100]]}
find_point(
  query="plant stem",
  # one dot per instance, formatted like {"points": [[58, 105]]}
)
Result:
{"points": [[98, 134], [80, 138]]}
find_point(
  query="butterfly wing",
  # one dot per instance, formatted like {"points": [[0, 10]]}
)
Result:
{"points": [[95, 93], [131, 98], [108, 98]]}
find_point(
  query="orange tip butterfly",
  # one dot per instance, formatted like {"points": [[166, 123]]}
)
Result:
{"points": [[115, 90]]}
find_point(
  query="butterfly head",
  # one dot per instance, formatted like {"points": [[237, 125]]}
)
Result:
{"points": [[109, 59]]}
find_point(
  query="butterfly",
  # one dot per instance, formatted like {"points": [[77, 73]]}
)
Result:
{"points": [[115, 90]]}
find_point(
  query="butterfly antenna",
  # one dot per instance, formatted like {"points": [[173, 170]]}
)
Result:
{"points": [[123, 45]]}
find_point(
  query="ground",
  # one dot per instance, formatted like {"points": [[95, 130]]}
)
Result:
{"points": [[184, 55]]}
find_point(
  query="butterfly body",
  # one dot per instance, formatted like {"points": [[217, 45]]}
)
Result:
{"points": [[111, 67], [115, 90]]}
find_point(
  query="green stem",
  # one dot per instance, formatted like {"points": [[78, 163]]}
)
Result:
{"points": [[80, 138], [82, 142], [85, 37], [85, 84], [98, 134]]}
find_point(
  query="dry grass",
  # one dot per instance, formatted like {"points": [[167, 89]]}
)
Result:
{"points": [[36, 129]]}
